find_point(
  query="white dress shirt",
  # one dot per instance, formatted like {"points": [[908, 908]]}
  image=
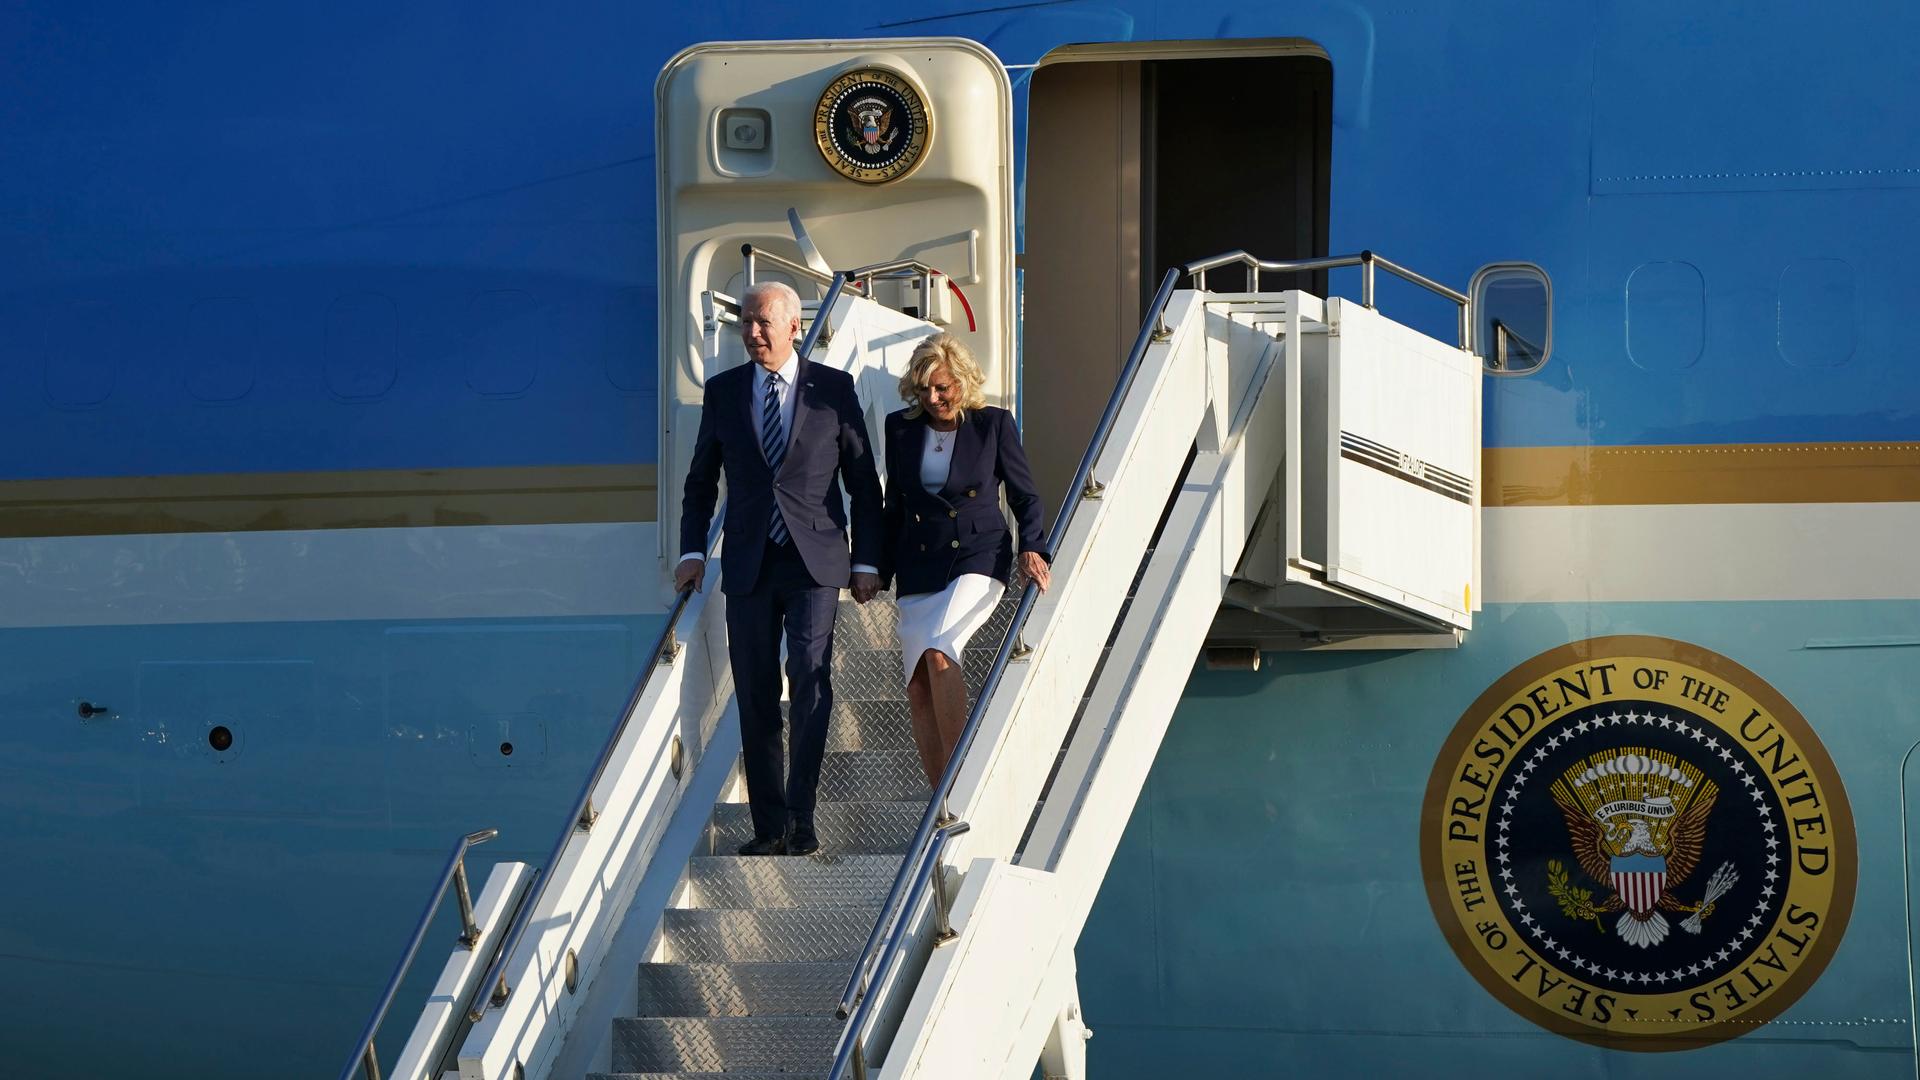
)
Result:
{"points": [[756, 409]]}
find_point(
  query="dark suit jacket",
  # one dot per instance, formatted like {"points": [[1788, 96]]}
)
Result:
{"points": [[933, 538], [828, 442]]}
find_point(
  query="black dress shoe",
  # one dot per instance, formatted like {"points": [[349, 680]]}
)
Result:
{"points": [[801, 841], [764, 845]]}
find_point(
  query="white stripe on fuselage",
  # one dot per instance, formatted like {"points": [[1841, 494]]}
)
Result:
{"points": [[1556, 554], [1743, 551], [449, 572]]}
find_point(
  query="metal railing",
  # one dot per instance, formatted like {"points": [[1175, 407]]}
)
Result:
{"points": [[493, 989], [1365, 260], [921, 868], [755, 256], [860, 280], [817, 332], [1504, 337], [455, 874]]}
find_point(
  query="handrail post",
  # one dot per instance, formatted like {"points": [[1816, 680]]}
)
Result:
{"points": [[469, 930], [453, 873], [1366, 280], [943, 930]]}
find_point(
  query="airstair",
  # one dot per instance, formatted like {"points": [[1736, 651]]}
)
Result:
{"points": [[747, 967], [1307, 455]]}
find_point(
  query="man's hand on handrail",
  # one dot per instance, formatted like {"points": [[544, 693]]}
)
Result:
{"points": [[690, 574]]}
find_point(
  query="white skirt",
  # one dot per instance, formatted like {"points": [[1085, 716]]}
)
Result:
{"points": [[944, 620]]}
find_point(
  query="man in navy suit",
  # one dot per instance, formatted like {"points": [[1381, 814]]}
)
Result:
{"points": [[786, 433]]}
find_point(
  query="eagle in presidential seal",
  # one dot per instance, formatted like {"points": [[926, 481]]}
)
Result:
{"points": [[1638, 843], [1637, 819]]}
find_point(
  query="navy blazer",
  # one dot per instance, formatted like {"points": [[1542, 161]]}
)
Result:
{"points": [[827, 445], [934, 537]]}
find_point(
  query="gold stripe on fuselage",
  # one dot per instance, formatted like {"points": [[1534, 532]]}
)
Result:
{"points": [[1724, 473], [574, 494], [385, 498]]}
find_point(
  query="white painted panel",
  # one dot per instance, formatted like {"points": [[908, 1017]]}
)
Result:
{"points": [[1405, 421], [984, 1018]]}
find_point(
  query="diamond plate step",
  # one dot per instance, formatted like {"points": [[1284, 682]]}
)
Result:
{"points": [[823, 880], [872, 776], [867, 626], [723, 1043], [742, 989], [853, 828], [729, 1075], [865, 725], [723, 936], [875, 674]]}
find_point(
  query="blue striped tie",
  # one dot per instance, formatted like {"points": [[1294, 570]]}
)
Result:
{"points": [[773, 443]]}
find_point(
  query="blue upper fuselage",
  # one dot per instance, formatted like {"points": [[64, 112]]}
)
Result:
{"points": [[242, 239]]}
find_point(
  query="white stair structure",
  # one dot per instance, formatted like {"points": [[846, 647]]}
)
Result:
{"points": [[1307, 455]]}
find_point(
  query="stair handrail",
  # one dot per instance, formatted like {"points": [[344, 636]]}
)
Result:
{"points": [[1366, 260], [493, 989], [454, 873], [937, 824]]}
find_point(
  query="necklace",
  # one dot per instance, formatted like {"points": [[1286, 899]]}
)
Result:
{"points": [[940, 440]]}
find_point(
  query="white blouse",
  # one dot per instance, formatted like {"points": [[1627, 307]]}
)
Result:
{"points": [[936, 464]]}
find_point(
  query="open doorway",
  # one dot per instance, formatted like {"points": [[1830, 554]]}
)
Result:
{"points": [[1139, 163]]}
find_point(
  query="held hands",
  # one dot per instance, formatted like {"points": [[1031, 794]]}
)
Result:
{"points": [[1035, 569], [865, 587], [690, 574]]}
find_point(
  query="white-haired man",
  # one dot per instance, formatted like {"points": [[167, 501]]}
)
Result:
{"points": [[787, 434]]}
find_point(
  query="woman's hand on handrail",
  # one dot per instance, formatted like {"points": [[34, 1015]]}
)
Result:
{"points": [[1034, 568]]}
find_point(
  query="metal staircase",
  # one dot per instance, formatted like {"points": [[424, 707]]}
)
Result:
{"points": [[747, 965], [940, 924]]}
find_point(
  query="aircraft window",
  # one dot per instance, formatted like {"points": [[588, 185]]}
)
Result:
{"points": [[1513, 317]]}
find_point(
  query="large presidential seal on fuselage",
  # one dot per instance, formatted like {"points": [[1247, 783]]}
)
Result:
{"points": [[1638, 843], [872, 125]]}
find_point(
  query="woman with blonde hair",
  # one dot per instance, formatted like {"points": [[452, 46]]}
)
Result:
{"points": [[948, 547]]}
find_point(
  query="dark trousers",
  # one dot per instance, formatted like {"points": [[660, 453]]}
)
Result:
{"points": [[785, 598]]}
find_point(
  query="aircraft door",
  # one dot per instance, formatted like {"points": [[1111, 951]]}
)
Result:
{"points": [[882, 150]]}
